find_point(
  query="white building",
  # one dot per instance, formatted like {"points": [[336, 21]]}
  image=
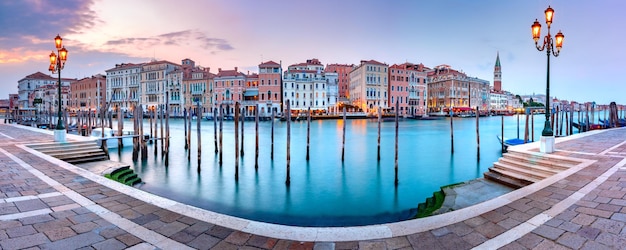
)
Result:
{"points": [[153, 82], [305, 86], [332, 91], [33, 81], [368, 85], [123, 85]]}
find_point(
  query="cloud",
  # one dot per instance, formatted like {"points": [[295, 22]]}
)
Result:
{"points": [[192, 38]]}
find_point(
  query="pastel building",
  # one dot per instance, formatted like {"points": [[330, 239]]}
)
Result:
{"points": [[49, 96], [250, 95], [197, 89], [33, 81], [270, 85], [123, 84], [343, 79], [305, 86], [407, 85], [228, 89], [153, 82], [369, 86], [449, 88], [89, 94]]}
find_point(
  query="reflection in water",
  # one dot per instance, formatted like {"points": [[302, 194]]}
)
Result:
{"points": [[324, 191]]}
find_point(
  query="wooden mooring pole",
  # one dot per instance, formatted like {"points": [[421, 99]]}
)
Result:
{"points": [[167, 129], [379, 120], [215, 129], [236, 141], [256, 131], [185, 125], [288, 115], [120, 127], [198, 120], [189, 117], [396, 153], [162, 128], [243, 119], [343, 141], [452, 132], [272, 150], [502, 133], [478, 133], [221, 135], [308, 132]]}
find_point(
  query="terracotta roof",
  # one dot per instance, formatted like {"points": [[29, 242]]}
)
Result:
{"points": [[39, 76], [253, 75], [159, 62], [269, 64], [226, 73], [373, 62]]}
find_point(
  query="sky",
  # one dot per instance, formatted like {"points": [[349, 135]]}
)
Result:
{"points": [[225, 34]]}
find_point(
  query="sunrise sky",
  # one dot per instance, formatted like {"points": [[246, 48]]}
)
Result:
{"points": [[241, 33]]}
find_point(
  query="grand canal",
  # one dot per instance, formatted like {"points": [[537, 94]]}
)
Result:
{"points": [[324, 191]]}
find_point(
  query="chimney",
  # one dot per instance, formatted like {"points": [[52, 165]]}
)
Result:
{"points": [[219, 69], [236, 69]]}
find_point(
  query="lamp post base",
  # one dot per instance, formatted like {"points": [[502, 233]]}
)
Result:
{"points": [[60, 135], [547, 144]]}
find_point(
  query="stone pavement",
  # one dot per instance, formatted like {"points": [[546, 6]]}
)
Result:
{"points": [[48, 204]]}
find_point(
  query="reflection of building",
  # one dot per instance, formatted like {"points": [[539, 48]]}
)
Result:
{"points": [[407, 84], [33, 81], [451, 88], [270, 82], [305, 86], [88, 93], [123, 85], [368, 86]]}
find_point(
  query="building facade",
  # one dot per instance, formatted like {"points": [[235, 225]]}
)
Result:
{"points": [[497, 74], [228, 89], [270, 88], [89, 94], [343, 79], [123, 86], [197, 89], [33, 81], [153, 82], [407, 85], [305, 86], [368, 86], [449, 88]]}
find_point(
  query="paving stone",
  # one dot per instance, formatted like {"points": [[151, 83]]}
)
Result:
{"points": [[111, 244], [554, 222], [128, 239], [610, 226], [566, 215], [78, 241], [583, 219], [592, 245], [475, 221], [81, 218], [346, 245], [144, 219], [59, 233], [198, 228], [167, 216], [84, 227], [204, 241], [372, 245], [519, 216], [424, 240], [110, 232], [51, 225], [20, 231], [440, 231], [451, 241], [30, 205], [619, 217], [490, 230], [24, 241], [324, 246], [62, 214], [494, 216], [570, 227], [609, 207], [508, 223], [237, 238], [571, 240], [182, 237], [36, 219], [285, 244], [589, 232], [220, 232], [154, 225], [146, 209], [548, 232], [129, 214], [262, 242], [546, 244], [3, 235], [460, 229], [397, 242], [529, 240], [9, 224], [474, 239], [611, 240], [512, 246]]}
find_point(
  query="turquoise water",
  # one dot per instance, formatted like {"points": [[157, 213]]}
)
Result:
{"points": [[324, 191]]}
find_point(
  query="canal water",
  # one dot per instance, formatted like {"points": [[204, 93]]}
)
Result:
{"points": [[324, 191]]}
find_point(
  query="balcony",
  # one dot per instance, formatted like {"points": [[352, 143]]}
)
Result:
{"points": [[117, 86], [197, 92], [251, 92]]}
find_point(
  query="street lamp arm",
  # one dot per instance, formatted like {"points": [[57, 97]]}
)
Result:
{"points": [[546, 43]]}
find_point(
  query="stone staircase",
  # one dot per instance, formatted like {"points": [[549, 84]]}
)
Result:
{"points": [[73, 152], [517, 169]]}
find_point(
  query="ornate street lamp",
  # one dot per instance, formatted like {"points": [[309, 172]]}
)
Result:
{"points": [[56, 64], [547, 135]]}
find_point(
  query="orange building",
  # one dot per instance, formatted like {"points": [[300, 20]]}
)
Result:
{"points": [[228, 89], [88, 93], [407, 85], [270, 84], [343, 79]]}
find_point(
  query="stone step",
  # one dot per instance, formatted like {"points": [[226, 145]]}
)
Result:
{"points": [[514, 174], [60, 145], [544, 160], [538, 168], [521, 170], [57, 153], [87, 159], [505, 180], [71, 156]]}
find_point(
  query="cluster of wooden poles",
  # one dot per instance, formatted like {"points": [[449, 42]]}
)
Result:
{"points": [[239, 148]]}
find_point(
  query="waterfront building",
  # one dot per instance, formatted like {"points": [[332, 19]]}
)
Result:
{"points": [[13, 101], [343, 79], [33, 81], [250, 95], [498, 100], [123, 84], [228, 89], [332, 92], [368, 86], [449, 88], [189, 87], [88, 94], [270, 88], [153, 81], [305, 86], [49, 96], [407, 84]]}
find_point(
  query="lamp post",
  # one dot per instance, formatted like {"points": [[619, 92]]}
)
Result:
{"points": [[547, 135], [56, 64]]}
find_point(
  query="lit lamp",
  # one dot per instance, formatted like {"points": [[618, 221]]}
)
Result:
{"points": [[56, 64], [547, 135]]}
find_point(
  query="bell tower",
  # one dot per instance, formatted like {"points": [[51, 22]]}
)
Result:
{"points": [[497, 75]]}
